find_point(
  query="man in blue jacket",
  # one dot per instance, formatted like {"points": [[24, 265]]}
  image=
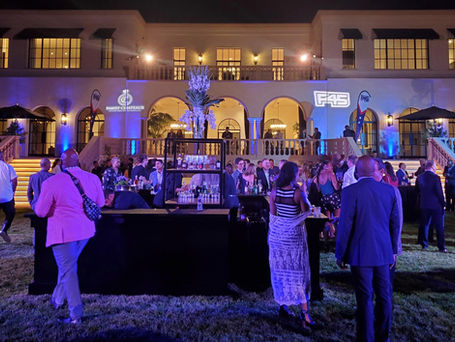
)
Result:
{"points": [[432, 204], [367, 240]]}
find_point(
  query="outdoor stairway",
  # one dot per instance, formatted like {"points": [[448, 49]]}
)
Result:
{"points": [[411, 166], [24, 168]]}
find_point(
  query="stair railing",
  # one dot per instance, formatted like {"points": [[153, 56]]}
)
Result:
{"points": [[441, 150], [9, 145]]}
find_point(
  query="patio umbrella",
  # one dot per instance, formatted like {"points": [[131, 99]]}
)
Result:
{"points": [[18, 112], [429, 113]]}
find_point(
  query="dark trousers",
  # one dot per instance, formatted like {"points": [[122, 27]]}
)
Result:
{"points": [[429, 216], [10, 211], [373, 322]]}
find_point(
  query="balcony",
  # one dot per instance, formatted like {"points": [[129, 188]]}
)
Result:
{"points": [[141, 71]]}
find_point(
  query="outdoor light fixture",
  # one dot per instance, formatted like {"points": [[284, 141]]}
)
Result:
{"points": [[389, 120], [148, 57], [199, 58], [64, 119], [439, 121], [303, 57], [255, 59]]}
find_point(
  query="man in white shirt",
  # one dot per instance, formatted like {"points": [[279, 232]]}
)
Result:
{"points": [[156, 177], [8, 184], [349, 177]]}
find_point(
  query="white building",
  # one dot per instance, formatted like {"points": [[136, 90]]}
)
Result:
{"points": [[296, 75]]}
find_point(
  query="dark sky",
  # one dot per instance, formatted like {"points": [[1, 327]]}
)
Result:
{"points": [[248, 11]]}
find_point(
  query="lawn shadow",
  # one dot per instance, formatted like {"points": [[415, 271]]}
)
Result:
{"points": [[439, 280], [127, 334]]}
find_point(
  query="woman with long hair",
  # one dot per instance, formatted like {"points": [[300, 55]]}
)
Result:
{"points": [[390, 177], [56, 166], [247, 179], [327, 184], [288, 250]]}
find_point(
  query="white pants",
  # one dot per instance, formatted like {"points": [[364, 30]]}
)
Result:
{"points": [[66, 255]]}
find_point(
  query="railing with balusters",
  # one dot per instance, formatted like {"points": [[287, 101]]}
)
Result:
{"points": [[223, 73], [253, 149], [441, 150], [9, 146]]}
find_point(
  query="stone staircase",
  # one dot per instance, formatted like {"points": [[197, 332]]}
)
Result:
{"points": [[24, 167], [411, 166]]}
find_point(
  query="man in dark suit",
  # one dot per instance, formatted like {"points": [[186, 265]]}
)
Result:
{"points": [[432, 204], [348, 132], [265, 175], [367, 240]]}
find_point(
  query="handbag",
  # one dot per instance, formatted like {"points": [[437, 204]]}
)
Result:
{"points": [[91, 209]]}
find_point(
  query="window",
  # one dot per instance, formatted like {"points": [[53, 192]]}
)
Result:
{"points": [[348, 53], [452, 54], [4, 46], [401, 54], [228, 63], [106, 54], [179, 63], [277, 64], [55, 53]]}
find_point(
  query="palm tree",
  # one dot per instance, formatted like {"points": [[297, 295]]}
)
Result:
{"points": [[158, 123]]}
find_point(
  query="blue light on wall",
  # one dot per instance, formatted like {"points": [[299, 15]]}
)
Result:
{"points": [[133, 147]]}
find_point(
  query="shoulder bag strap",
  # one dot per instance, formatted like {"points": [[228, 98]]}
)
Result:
{"points": [[76, 182]]}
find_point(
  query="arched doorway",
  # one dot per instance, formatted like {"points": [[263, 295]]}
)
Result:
{"points": [[368, 138], [412, 136], [285, 117], [158, 123], [42, 134], [234, 128], [230, 109], [83, 127]]}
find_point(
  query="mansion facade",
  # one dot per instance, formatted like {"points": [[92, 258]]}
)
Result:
{"points": [[279, 77]]}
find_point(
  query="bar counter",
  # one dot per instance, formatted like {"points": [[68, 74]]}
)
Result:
{"points": [[173, 252], [146, 251]]}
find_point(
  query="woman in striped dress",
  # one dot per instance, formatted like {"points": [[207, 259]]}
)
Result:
{"points": [[288, 249]]}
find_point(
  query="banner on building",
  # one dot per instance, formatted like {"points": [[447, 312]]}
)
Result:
{"points": [[362, 106]]}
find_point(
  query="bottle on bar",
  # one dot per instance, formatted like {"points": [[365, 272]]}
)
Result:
{"points": [[260, 188], [179, 161]]}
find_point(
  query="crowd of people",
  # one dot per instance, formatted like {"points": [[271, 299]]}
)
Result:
{"points": [[368, 214], [360, 198]]}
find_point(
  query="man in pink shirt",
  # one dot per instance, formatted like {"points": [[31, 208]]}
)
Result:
{"points": [[68, 227]]}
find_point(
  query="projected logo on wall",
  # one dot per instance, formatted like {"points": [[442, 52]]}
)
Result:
{"points": [[124, 103], [334, 99]]}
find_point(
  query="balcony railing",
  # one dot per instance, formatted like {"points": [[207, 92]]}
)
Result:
{"points": [[253, 149], [441, 150], [238, 73]]}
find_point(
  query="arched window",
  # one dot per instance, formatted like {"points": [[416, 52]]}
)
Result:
{"points": [[234, 128], [83, 127], [368, 137], [277, 127], [42, 134], [412, 136]]}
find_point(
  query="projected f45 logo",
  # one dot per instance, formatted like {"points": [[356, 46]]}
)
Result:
{"points": [[334, 99]]}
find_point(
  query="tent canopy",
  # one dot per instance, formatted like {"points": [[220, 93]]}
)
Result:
{"points": [[18, 112], [430, 113]]}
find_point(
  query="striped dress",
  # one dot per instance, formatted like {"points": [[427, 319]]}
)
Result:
{"points": [[288, 251]]}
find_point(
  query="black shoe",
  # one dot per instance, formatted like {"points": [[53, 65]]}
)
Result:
{"points": [[444, 250], [5, 236]]}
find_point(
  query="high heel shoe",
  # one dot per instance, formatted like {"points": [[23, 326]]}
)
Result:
{"points": [[306, 320]]}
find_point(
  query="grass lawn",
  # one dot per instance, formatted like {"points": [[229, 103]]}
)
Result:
{"points": [[424, 304]]}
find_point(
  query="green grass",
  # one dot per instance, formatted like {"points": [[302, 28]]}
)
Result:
{"points": [[424, 304]]}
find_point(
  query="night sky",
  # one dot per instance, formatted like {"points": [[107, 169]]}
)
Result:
{"points": [[248, 11]]}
